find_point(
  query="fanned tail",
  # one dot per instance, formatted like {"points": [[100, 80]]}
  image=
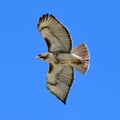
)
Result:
{"points": [[83, 52]]}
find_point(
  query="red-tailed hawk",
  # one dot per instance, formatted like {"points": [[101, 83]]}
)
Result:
{"points": [[62, 59]]}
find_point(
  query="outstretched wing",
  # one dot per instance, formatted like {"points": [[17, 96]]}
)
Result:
{"points": [[55, 34], [60, 79]]}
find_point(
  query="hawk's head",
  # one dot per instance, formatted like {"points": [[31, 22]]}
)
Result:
{"points": [[46, 56], [42, 56]]}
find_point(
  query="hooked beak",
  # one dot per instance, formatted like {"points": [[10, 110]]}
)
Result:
{"points": [[37, 58]]}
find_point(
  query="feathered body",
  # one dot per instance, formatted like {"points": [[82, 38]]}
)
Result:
{"points": [[62, 59]]}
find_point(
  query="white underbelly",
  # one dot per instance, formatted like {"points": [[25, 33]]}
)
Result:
{"points": [[67, 59]]}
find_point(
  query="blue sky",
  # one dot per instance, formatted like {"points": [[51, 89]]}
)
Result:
{"points": [[23, 93]]}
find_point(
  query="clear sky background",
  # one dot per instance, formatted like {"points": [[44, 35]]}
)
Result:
{"points": [[23, 93]]}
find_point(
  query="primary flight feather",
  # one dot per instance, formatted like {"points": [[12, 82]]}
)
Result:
{"points": [[62, 59]]}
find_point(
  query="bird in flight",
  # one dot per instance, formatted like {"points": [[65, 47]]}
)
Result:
{"points": [[61, 57]]}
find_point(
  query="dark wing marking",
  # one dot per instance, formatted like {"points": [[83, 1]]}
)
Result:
{"points": [[50, 68], [60, 79], [55, 34]]}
